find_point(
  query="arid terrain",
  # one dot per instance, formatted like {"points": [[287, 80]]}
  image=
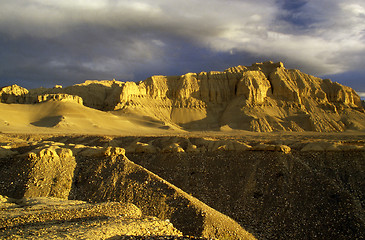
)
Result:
{"points": [[258, 152]]}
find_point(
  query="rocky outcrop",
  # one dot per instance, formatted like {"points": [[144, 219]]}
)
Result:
{"points": [[59, 97], [254, 87], [13, 94], [263, 97], [337, 93]]}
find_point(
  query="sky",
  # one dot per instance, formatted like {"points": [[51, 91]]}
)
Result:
{"points": [[49, 42]]}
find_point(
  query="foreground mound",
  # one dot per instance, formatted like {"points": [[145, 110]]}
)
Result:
{"points": [[54, 218], [264, 97], [99, 174], [276, 186]]}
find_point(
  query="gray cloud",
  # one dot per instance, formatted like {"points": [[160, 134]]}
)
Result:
{"points": [[70, 41]]}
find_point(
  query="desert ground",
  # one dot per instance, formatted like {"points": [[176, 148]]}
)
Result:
{"points": [[254, 185]]}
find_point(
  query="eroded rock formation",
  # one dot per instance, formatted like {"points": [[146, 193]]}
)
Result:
{"points": [[13, 94], [263, 97]]}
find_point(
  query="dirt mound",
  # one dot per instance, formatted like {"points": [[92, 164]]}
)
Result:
{"points": [[275, 194], [276, 186], [99, 174]]}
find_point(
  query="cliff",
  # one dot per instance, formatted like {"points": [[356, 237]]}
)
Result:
{"points": [[263, 97]]}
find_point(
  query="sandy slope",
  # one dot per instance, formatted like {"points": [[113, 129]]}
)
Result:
{"points": [[70, 117]]}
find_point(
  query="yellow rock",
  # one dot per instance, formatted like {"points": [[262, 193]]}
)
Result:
{"points": [[263, 97]]}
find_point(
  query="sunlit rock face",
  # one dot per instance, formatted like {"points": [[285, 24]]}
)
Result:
{"points": [[262, 97], [13, 94]]}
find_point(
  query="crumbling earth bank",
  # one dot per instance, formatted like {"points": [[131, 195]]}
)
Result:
{"points": [[205, 187], [105, 174], [273, 194]]}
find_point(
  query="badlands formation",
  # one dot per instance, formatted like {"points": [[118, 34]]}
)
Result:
{"points": [[264, 97], [258, 152]]}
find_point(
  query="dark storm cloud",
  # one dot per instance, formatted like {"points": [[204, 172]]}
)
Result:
{"points": [[294, 12], [66, 42]]}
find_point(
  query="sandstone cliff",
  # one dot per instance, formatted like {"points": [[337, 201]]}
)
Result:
{"points": [[13, 94], [263, 97]]}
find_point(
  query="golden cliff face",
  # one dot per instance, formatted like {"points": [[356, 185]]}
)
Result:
{"points": [[255, 84], [261, 97]]}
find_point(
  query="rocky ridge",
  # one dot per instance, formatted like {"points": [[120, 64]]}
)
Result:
{"points": [[263, 97]]}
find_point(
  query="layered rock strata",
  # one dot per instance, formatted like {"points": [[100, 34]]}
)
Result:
{"points": [[263, 97]]}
